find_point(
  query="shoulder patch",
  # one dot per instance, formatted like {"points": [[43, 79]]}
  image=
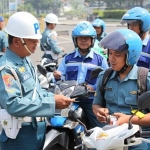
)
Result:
{"points": [[8, 80], [53, 37]]}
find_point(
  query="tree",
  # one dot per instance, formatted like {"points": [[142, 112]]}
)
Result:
{"points": [[45, 5]]}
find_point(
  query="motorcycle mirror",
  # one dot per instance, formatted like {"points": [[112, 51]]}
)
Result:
{"points": [[42, 70], [95, 72], [144, 101]]}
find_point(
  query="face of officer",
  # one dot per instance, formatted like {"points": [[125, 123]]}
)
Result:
{"points": [[20, 49], [84, 42], [98, 30], [117, 59]]}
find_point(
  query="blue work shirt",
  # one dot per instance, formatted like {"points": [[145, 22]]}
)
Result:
{"points": [[17, 95], [3, 41], [49, 43], [144, 60], [76, 67], [120, 95]]}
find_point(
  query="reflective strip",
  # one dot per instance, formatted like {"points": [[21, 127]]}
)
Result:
{"points": [[145, 54], [47, 52], [1, 53], [54, 56], [81, 64], [29, 119]]}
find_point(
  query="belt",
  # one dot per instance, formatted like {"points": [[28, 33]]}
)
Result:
{"points": [[1, 53], [29, 119]]}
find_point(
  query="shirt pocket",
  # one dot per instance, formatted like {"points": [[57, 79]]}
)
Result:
{"points": [[131, 100], [109, 94], [87, 78], [72, 72], [28, 85]]}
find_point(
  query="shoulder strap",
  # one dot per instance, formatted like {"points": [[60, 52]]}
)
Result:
{"points": [[105, 79], [142, 80]]}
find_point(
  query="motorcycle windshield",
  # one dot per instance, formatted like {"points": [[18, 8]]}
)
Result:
{"points": [[118, 44]]}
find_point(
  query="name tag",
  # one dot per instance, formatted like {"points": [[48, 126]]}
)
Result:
{"points": [[26, 76]]}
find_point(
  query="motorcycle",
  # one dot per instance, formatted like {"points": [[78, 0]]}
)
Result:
{"points": [[50, 66], [63, 133], [113, 137]]}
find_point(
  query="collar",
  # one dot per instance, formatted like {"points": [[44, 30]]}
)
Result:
{"points": [[90, 54], [145, 41], [14, 57], [131, 75]]}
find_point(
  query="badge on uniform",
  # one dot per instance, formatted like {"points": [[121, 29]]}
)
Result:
{"points": [[25, 74], [53, 37], [8, 80], [21, 69], [133, 92]]}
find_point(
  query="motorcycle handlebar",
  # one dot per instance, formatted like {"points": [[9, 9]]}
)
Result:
{"points": [[145, 134], [91, 92]]}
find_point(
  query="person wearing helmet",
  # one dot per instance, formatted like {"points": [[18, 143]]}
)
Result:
{"points": [[120, 94], [78, 64], [138, 20], [49, 42], [99, 26], [22, 98], [3, 37]]}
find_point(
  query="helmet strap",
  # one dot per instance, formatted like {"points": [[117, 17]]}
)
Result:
{"points": [[24, 44], [124, 68], [84, 50]]}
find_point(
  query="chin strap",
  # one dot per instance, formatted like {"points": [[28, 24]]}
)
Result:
{"points": [[123, 69], [84, 50], [24, 44]]}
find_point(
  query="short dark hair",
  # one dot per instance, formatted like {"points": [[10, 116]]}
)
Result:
{"points": [[10, 39], [47, 23]]}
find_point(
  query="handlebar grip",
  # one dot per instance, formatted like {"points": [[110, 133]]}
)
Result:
{"points": [[83, 83], [145, 134], [91, 92]]}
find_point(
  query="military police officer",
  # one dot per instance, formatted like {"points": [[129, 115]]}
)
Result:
{"points": [[22, 99], [49, 42]]}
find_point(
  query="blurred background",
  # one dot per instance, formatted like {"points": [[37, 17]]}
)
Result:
{"points": [[71, 12], [72, 9]]}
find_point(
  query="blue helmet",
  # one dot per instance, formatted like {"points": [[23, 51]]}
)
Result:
{"points": [[124, 40], [99, 23], [137, 14], [83, 28]]}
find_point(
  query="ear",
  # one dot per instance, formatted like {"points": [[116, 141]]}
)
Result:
{"points": [[16, 42]]}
